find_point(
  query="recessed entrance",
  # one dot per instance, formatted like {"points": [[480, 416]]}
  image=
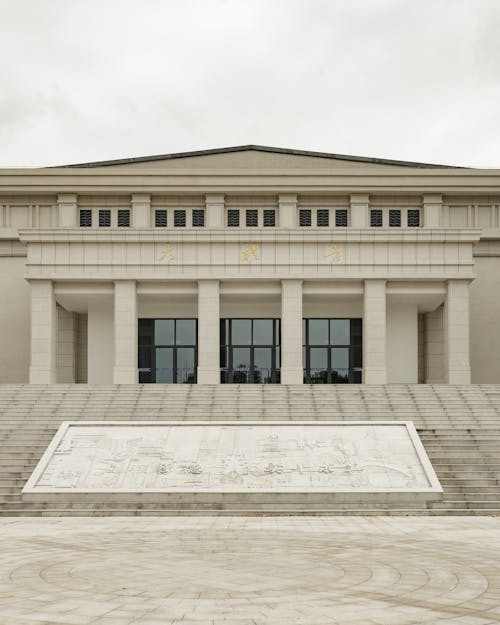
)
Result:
{"points": [[332, 351], [250, 351], [167, 351]]}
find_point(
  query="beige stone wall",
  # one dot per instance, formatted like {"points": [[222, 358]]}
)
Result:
{"points": [[485, 321], [14, 320]]}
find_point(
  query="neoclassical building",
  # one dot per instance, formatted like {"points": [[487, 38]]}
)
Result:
{"points": [[250, 265]]}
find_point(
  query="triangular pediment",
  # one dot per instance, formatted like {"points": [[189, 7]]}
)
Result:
{"points": [[254, 157]]}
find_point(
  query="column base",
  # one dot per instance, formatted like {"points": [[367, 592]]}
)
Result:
{"points": [[124, 375], [292, 375], [375, 376], [38, 375], [459, 376], [207, 376]]}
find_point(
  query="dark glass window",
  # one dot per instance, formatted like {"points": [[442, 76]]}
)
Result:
{"points": [[252, 217], [269, 218], [161, 218], [198, 218], [179, 219], [167, 351], [85, 218], [104, 218], [305, 217], [249, 352], [332, 351], [123, 218], [322, 217], [341, 218], [414, 218], [394, 218], [233, 218], [376, 218]]}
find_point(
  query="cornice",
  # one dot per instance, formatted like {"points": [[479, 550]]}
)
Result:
{"points": [[153, 235], [109, 180]]}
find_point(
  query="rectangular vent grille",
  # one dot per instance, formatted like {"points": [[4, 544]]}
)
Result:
{"points": [[394, 218], [179, 219], [305, 217], [341, 218], [85, 218], [104, 218], [252, 218], [233, 218], [123, 218], [161, 218], [414, 218], [269, 218], [323, 217], [198, 218], [376, 218]]}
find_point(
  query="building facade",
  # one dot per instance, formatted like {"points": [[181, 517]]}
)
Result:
{"points": [[250, 265]]}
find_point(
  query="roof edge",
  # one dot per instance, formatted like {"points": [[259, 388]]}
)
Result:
{"points": [[261, 148]]}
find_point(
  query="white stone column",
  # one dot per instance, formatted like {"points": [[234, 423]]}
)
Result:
{"points": [[65, 346], [141, 210], [360, 205], [208, 332], [456, 327], [374, 333], [67, 209], [287, 210], [291, 332], [214, 206], [125, 366], [432, 205], [43, 333]]}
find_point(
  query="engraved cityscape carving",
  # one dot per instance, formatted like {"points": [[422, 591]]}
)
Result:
{"points": [[219, 458]]}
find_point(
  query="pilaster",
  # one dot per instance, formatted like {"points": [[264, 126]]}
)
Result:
{"points": [[208, 332], [214, 206], [432, 205], [456, 326], [287, 210], [359, 210], [67, 209], [125, 365], [43, 333], [374, 332], [141, 210], [291, 332]]}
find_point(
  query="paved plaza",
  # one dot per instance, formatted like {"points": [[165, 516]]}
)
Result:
{"points": [[250, 571]]}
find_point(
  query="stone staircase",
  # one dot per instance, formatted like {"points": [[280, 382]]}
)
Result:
{"points": [[459, 427]]}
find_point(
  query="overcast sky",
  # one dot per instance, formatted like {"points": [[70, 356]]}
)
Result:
{"points": [[86, 80]]}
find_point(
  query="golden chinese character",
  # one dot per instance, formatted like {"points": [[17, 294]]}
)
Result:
{"points": [[167, 253], [335, 254], [251, 250]]}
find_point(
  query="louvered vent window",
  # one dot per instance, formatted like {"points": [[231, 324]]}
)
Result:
{"points": [[269, 218], [85, 218], [123, 218], [376, 218], [198, 218], [252, 218], [161, 218], [341, 218], [179, 219], [305, 217], [414, 218], [104, 218], [394, 218], [323, 217], [233, 218]]}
